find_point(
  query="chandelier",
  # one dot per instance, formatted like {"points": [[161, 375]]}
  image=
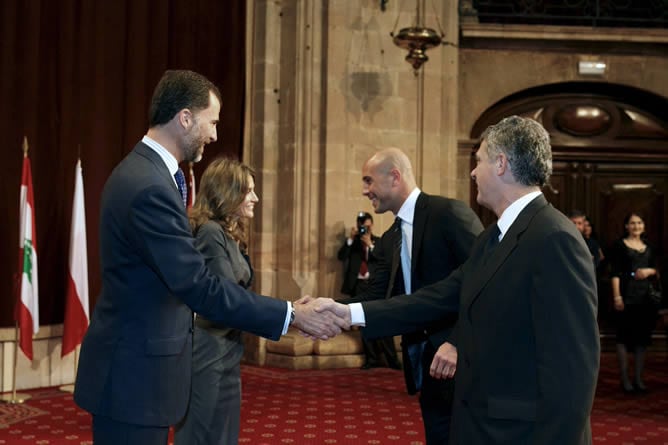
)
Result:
{"points": [[417, 39]]}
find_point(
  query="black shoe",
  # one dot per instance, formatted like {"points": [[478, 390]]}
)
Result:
{"points": [[640, 387], [395, 365], [627, 388], [368, 366]]}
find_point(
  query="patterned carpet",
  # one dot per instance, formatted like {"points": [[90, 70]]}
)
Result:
{"points": [[347, 407]]}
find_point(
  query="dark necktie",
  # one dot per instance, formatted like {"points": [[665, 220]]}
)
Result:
{"points": [[396, 227], [494, 237], [181, 183], [492, 242]]}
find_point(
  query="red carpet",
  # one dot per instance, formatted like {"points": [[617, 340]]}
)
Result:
{"points": [[346, 407]]}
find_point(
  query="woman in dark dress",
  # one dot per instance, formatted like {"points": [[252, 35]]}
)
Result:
{"points": [[224, 204], [632, 265]]}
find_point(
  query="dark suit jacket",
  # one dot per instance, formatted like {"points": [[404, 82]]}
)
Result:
{"points": [[352, 260], [527, 337], [135, 359], [443, 233]]}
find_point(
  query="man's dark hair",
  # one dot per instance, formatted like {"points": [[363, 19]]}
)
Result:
{"points": [[363, 216], [575, 213], [176, 90]]}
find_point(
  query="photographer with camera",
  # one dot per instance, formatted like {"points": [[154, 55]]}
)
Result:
{"points": [[357, 255]]}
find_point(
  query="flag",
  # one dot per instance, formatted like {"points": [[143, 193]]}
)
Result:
{"points": [[27, 305], [191, 186], [76, 299]]}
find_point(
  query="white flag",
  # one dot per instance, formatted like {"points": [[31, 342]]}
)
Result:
{"points": [[76, 299]]}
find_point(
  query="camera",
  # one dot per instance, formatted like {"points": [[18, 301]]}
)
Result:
{"points": [[363, 230]]}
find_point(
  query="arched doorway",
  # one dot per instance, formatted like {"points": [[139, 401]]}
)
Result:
{"points": [[610, 157]]}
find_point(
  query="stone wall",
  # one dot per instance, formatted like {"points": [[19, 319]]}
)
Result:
{"points": [[329, 87]]}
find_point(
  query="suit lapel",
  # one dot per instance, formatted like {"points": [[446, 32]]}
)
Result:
{"points": [[488, 266], [395, 239], [147, 152], [419, 223]]}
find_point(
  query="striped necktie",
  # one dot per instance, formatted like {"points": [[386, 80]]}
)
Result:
{"points": [[181, 183]]}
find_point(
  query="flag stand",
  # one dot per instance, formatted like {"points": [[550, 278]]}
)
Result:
{"points": [[14, 397], [70, 388]]}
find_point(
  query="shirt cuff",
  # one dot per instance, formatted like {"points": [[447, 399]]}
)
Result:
{"points": [[286, 323], [357, 314], [349, 241]]}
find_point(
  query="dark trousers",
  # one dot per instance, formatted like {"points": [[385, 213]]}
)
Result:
{"points": [[435, 402], [214, 411], [111, 432], [374, 349]]}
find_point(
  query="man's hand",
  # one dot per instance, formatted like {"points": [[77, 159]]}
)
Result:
{"points": [[341, 311], [444, 364], [366, 239], [316, 323]]}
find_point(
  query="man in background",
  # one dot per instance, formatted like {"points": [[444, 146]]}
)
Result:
{"points": [[430, 238], [356, 253], [581, 222], [135, 365]]}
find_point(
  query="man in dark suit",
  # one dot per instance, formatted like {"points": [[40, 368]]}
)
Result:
{"points": [[527, 344], [431, 237], [135, 364], [357, 256]]}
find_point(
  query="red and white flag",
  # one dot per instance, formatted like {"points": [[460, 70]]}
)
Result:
{"points": [[27, 305], [191, 186], [76, 299]]}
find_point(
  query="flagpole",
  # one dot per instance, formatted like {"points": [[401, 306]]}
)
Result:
{"points": [[16, 397], [70, 387]]}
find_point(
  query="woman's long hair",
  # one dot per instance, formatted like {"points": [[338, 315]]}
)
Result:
{"points": [[222, 190]]}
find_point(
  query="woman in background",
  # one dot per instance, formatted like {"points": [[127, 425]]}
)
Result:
{"points": [[632, 263], [223, 206]]}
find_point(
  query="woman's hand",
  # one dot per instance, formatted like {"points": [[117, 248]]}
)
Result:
{"points": [[644, 273], [619, 303]]}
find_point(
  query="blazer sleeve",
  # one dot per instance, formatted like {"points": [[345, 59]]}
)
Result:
{"points": [[563, 308], [404, 314], [162, 237], [214, 245], [344, 251], [462, 231]]}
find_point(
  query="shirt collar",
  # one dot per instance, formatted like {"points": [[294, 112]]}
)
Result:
{"points": [[407, 210], [511, 213], [169, 160]]}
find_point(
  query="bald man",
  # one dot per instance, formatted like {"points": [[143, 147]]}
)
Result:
{"points": [[430, 238]]}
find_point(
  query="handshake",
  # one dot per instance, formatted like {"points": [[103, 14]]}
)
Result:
{"points": [[320, 318]]}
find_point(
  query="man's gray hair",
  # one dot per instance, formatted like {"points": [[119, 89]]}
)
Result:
{"points": [[526, 144]]}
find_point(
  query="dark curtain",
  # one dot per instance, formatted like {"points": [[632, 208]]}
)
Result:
{"points": [[76, 77]]}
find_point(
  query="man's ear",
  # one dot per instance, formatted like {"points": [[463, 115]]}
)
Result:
{"points": [[396, 176], [501, 164], [185, 118]]}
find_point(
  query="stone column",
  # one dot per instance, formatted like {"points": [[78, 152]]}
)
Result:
{"points": [[284, 144]]}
